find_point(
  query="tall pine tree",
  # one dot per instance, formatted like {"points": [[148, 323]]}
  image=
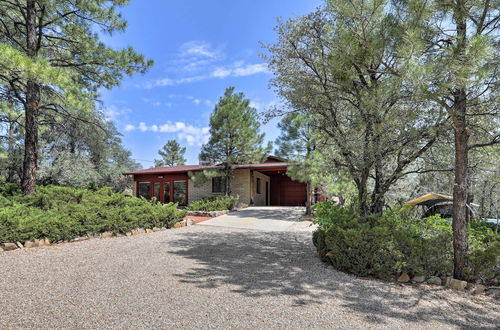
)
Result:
{"points": [[234, 135], [172, 154], [53, 61]]}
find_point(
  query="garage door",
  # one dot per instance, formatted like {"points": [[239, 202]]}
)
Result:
{"points": [[287, 192]]}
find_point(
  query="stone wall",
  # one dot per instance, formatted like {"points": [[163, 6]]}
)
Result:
{"points": [[240, 186]]}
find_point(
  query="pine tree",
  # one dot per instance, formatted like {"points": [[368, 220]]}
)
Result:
{"points": [[52, 61], [234, 135], [172, 154]]}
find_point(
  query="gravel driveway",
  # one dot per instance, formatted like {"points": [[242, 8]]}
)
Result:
{"points": [[214, 277]]}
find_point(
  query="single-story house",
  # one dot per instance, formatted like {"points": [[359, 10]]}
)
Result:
{"points": [[260, 184]]}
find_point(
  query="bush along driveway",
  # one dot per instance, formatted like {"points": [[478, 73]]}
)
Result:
{"points": [[58, 214], [215, 277]]}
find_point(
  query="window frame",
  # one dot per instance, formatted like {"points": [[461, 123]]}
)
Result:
{"points": [[222, 184], [185, 201], [149, 189]]}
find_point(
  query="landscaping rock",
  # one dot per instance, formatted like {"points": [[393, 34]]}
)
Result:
{"points": [[46, 242], [106, 234], [404, 278], [211, 214], [155, 229], [79, 239], [434, 280], [163, 228], [329, 254], [30, 244], [418, 279], [9, 246], [20, 245], [149, 230], [447, 281], [190, 222], [493, 292], [138, 231], [128, 234], [478, 289], [179, 224], [1, 249], [457, 284]]}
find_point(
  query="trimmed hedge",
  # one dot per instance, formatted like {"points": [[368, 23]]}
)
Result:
{"points": [[388, 245], [218, 203], [63, 213]]}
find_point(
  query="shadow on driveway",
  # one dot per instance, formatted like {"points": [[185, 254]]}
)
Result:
{"points": [[278, 264]]}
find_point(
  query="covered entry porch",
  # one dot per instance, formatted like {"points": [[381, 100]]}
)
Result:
{"points": [[277, 187]]}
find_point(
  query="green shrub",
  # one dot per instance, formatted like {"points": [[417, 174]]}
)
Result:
{"points": [[63, 213], [387, 245], [218, 203]]}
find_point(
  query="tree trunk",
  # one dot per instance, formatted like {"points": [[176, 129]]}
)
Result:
{"points": [[363, 194], [460, 198], [461, 133], [228, 173], [377, 198], [309, 198], [10, 151], [31, 108]]}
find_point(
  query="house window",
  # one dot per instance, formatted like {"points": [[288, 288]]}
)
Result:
{"points": [[257, 186], [219, 184], [143, 190], [156, 191], [180, 192], [166, 192]]}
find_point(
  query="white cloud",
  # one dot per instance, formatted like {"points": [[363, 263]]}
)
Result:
{"points": [[191, 134], [250, 69], [218, 72], [221, 73], [199, 60], [199, 48], [114, 113]]}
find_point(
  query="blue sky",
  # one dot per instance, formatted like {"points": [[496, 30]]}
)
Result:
{"points": [[199, 48]]}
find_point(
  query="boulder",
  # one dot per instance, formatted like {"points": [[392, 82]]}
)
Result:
{"points": [[155, 229], [46, 242], [478, 289], [493, 292], [404, 278], [20, 245], [434, 280], [149, 230], [457, 284], [1, 249], [30, 244], [106, 234], [179, 224], [418, 279], [128, 234], [138, 231], [9, 246]]}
